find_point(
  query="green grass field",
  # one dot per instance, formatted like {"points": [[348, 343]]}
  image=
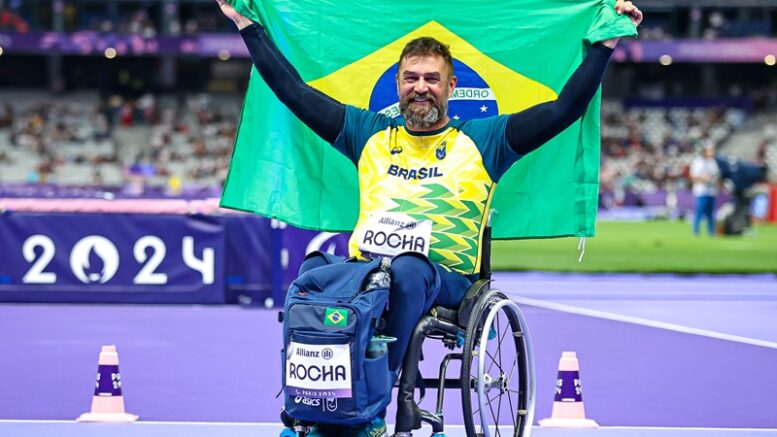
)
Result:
{"points": [[657, 246]]}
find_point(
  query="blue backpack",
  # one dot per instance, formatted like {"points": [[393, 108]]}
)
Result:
{"points": [[329, 321]]}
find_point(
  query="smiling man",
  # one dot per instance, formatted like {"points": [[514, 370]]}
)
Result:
{"points": [[425, 82], [425, 182]]}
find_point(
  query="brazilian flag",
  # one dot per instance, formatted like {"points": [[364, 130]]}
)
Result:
{"points": [[336, 317], [508, 55]]}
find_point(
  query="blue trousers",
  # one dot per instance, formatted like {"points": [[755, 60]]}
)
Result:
{"points": [[417, 284], [705, 206]]}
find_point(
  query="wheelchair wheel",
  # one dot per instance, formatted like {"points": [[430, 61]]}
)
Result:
{"points": [[499, 366]]}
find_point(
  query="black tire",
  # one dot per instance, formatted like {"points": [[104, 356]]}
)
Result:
{"points": [[514, 390]]}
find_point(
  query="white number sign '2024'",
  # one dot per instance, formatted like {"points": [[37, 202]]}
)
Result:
{"points": [[94, 247]]}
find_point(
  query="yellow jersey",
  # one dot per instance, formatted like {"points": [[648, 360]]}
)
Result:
{"points": [[447, 176]]}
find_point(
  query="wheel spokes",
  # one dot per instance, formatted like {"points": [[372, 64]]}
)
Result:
{"points": [[505, 382], [500, 320]]}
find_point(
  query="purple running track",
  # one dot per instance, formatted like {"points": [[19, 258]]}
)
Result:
{"points": [[190, 363]]}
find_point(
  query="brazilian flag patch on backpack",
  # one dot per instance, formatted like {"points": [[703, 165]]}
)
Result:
{"points": [[336, 317]]}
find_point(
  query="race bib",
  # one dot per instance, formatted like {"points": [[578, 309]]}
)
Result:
{"points": [[318, 371], [392, 233]]}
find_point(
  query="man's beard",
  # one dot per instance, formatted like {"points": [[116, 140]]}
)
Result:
{"points": [[422, 116]]}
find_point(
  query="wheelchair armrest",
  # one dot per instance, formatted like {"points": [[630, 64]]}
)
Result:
{"points": [[475, 290]]}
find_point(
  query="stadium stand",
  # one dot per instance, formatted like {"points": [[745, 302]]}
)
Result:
{"points": [[171, 145], [85, 140]]}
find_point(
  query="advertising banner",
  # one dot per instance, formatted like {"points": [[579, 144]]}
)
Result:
{"points": [[733, 50], [94, 43], [111, 258], [250, 258]]}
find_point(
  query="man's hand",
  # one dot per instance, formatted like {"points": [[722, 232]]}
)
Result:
{"points": [[240, 21], [628, 8]]}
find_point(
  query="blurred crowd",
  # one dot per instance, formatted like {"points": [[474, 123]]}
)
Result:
{"points": [[147, 19], [191, 141], [171, 142], [150, 18], [649, 150], [137, 22], [707, 23], [12, 22], [39, 138], [166, 142], [143, 22]]}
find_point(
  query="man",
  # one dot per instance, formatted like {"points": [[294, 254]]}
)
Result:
{"points": [[741, 176], [431, 158], [705, 174]]}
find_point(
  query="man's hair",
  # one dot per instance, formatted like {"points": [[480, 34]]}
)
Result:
{"points": [[427, 46]]}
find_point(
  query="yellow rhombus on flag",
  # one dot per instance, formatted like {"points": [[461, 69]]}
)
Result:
{"points": [[354, 83]]}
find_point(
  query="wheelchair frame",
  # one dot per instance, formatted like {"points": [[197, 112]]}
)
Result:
{"points": [[479, 308]]}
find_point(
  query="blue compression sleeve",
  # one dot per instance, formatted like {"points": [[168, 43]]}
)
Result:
{"points": [[529, 129], [321, 113]]}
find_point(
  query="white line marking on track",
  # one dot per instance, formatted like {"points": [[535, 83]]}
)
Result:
{"points": [[639, 321]]}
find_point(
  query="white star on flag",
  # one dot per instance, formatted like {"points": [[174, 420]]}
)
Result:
{"points": [[456, 117], [483, 108]]}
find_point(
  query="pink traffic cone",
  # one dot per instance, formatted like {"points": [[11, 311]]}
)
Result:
{"points": [[107, 402], [568, 410]]}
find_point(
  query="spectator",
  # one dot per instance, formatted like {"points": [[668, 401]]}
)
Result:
{"points": [[11, 22], [705, 175]]}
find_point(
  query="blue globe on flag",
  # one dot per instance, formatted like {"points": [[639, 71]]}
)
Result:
{"points": [[472, 98]]}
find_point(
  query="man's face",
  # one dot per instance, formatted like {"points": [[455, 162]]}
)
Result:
{"points": [[424, 84]]}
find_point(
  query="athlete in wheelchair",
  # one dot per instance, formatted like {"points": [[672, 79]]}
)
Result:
{"points": [[425, 192], [496, 363]]}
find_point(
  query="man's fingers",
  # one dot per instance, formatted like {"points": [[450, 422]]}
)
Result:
{"points": [[628, 8], [636, 16], [625, 6]]}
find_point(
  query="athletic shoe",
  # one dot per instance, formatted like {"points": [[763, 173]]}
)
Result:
{"points": [[376, 428]]}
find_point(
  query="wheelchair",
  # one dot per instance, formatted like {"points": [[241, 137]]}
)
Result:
{"points": [[496, 378]]}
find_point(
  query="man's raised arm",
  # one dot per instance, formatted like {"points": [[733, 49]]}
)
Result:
{"points": [[321, 113], [529, 129]]}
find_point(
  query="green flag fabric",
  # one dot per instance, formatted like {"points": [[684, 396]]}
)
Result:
{"points": [[509, 55]]}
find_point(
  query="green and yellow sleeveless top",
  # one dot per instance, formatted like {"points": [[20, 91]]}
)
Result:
{"points": [[446, 176]]}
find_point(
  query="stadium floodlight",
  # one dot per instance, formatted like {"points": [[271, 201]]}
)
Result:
{"points": [[770, 60], [110, 53], [665, 60]]}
